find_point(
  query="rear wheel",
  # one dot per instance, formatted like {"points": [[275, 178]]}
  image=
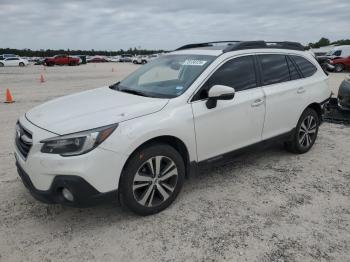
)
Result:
{"points": [[305, 132], [21, 64], [152, 179], [338, 68], [1, 64]]}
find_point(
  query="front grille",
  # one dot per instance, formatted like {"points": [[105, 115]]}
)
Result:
{"points": [[23, 139]]}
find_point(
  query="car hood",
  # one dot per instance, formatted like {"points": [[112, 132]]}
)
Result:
{"points": [[91, 109]]}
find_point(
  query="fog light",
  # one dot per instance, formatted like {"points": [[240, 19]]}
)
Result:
{"points": [[67, 194]]}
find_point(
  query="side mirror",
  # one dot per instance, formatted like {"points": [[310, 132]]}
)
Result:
{"points": [[219, 92]]}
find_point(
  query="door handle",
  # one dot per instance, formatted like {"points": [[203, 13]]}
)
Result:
{"points": [[301, 90], [258, 102]]}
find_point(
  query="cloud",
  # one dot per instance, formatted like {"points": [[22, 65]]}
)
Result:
{"points": [[114, 24]]}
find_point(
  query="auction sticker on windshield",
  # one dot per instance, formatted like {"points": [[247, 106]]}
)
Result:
{"points": [[194, 62]]}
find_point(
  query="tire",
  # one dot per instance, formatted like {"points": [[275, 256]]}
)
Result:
{"points": [[144, 62], [339, 68], [144, 193], [305, 133], [21, 64], [135, 62], [1, 64]]}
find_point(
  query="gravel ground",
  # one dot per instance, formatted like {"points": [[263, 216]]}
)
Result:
{"points": [[267, 205]]}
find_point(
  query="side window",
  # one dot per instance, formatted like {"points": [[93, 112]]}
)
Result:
{"points": [[238, 73], [337, 53], [293, 72], [306, 67], [274, 69]]}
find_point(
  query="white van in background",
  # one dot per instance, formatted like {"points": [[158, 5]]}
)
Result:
{"points": [[339, 51]]}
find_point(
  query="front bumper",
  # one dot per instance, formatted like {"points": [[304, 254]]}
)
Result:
{"points": [[84, 194], [93, 176]]}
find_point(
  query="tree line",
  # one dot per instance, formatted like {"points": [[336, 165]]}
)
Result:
{"points": [[325, 42], [92, 52], [133, 51]]}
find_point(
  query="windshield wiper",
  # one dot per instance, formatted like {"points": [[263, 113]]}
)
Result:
{"points": [[134, 92], [115, 86], [119, 88]]}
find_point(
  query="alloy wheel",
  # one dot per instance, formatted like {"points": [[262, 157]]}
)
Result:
{"points": [[307, 131], [339, 68], [155, 181]]}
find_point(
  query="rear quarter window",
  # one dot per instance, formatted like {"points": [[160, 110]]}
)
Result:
{"points": [[306, 67]]}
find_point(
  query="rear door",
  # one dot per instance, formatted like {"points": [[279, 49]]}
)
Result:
{"points": [[13, 61], [235, 123], [284, 92]]}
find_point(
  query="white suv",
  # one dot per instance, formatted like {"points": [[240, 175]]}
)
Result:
{"points": [[137, 140]]}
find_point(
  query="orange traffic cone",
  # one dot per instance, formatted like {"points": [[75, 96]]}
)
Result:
{"points": [[42, 80], [8, 97]]}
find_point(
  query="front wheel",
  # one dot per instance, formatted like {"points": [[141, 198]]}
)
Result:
{"points": [[1, 64], [305, 132], [152, 179], [21, 64]]}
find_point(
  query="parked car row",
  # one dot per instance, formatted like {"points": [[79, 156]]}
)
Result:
{"points": [[64, 59], [337, 60], [126, 58]]}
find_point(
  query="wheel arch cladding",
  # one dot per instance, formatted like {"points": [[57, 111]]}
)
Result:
{"points": [[317, 108], [172, 141]]}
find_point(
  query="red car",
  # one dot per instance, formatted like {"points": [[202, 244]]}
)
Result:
{"points": [[340, 63], [61, 60]]}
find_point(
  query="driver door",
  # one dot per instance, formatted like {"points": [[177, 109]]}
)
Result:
{"points": [[234, 123]]}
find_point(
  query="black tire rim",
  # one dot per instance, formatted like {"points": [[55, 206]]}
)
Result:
{"points": [[155, 181], [307, 132]]}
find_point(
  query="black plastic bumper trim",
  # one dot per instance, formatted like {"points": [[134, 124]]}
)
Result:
{"points": [[85, 195]]}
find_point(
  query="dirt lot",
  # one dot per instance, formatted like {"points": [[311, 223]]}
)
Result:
{"points": [[267, 205]]}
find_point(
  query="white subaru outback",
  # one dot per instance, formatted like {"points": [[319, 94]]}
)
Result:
{"points": [[137, 140]]}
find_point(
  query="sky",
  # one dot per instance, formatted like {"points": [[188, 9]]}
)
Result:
{"points": [[161, 24]]}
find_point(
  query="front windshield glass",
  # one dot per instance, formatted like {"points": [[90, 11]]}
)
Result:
{"points": [[167, 76]]}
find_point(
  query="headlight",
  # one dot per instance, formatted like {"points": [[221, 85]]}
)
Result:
{"points": [[77, 143]]}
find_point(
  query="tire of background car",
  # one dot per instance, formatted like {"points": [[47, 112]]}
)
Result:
{"points": [[144, 62], [1, 64], [305, 133], [135, 62], [21, 64], [151, 179], [338, 68]]}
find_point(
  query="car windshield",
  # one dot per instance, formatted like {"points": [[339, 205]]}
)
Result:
{"points": [[166, 77]]}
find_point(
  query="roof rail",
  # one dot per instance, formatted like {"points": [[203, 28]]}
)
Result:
{"points": [[206, 44], [241, 45], [263, 44]]}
